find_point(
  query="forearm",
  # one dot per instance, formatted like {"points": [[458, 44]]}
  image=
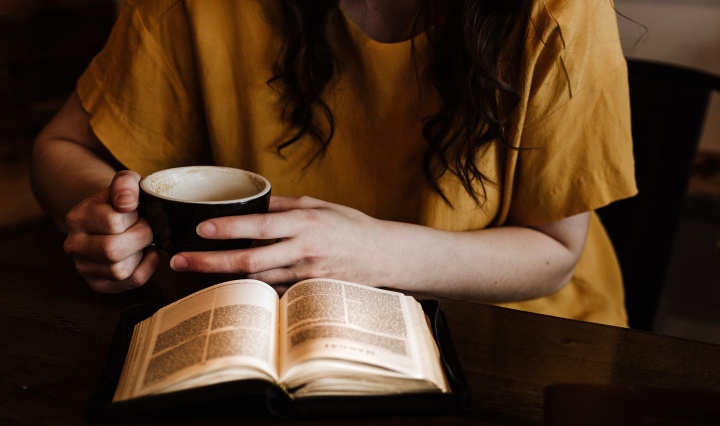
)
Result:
{"points": [[493, 265], [68, 162], [320, 239], [63, 174]]}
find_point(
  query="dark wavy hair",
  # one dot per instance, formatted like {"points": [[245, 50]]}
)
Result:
{"points": [[476, 50]]}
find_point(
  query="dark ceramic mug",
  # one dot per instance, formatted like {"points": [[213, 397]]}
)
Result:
{"points": [[174, 201]]}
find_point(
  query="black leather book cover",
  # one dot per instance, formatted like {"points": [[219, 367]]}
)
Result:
{"points": [[259, 396]]}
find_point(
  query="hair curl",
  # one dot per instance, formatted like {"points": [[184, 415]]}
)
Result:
{"points": [[476, 49]]}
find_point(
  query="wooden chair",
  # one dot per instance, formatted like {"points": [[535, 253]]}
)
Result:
{"points": [[668, 105]]}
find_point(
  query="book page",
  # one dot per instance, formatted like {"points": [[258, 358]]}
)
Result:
{"points": [[221, 333], [335, 320]]}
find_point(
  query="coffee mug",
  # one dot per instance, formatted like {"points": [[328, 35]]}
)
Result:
{"points": [[174, 201]]}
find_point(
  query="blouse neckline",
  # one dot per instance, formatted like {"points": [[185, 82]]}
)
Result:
{"points": [[362, 35]]}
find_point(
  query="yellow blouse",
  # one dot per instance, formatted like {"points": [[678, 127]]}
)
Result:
{"points": [[185, 82]]}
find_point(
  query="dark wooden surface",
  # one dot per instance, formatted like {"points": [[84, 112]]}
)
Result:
{"points": [[55, 334]]}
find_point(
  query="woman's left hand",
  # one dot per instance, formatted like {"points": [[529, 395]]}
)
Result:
{"points": [[314, 239], [317, 239]]}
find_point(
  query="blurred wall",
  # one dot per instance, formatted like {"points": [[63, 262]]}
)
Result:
{"points": [[44, 46], [681, 32]]}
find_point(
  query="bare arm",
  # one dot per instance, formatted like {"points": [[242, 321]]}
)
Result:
{"points": [[69, 162], [75, 180], [320, 239]]}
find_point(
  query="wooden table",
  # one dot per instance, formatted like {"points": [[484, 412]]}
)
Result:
{"points": [[55, 334]]}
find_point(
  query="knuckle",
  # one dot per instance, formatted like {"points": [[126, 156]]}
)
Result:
{"points": [[119, 272], [295, 274], [308, 216], [72, 219], [115, 223], [69, 245], [110, 250], [263, 226], [307, 271], [317, 217], [143, 273], [305, 201], [137, 279], [246, 264], [310, 251]]}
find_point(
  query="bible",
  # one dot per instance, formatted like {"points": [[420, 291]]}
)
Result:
{"points": [[324, 340]]}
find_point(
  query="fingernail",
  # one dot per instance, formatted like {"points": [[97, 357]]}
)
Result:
{"points": [[206, 229], [125, 200], [178, 263]]}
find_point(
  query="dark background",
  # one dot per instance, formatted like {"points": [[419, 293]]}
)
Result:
{"points": [[44, 46]]}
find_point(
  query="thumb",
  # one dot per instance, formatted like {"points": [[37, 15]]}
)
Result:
{"points": [[124, 191]]}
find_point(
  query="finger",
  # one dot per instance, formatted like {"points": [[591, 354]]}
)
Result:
{"points": [[253, 226], [95, 217], [109, 249], [139, 277], [125, 191], [281, 204], [280, 278], [268, 226], [118, 271], [248, 261]]}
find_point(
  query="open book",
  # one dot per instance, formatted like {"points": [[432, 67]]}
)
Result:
{"points": [[326, 348], [321, 338]]}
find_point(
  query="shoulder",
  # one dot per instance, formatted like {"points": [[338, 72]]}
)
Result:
{"points": [[584, 20], [150, 12], [572, 46], [574, 26]]}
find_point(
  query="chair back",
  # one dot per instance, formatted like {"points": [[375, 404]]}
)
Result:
{"points": [[668, 107]]}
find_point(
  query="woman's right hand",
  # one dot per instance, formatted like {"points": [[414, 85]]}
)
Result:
{"points": [[109, 241]]}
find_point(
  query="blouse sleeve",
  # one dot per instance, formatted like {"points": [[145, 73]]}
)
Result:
{"points": [[575, 144], [141, 90]]}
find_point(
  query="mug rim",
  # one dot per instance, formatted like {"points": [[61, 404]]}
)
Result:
{"points": [[266, 189]]}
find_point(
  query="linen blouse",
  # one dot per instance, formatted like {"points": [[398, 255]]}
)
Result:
{"points": [[183, 82]]}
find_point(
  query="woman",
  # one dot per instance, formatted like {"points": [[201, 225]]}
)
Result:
{"points": [[451, 148]]}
